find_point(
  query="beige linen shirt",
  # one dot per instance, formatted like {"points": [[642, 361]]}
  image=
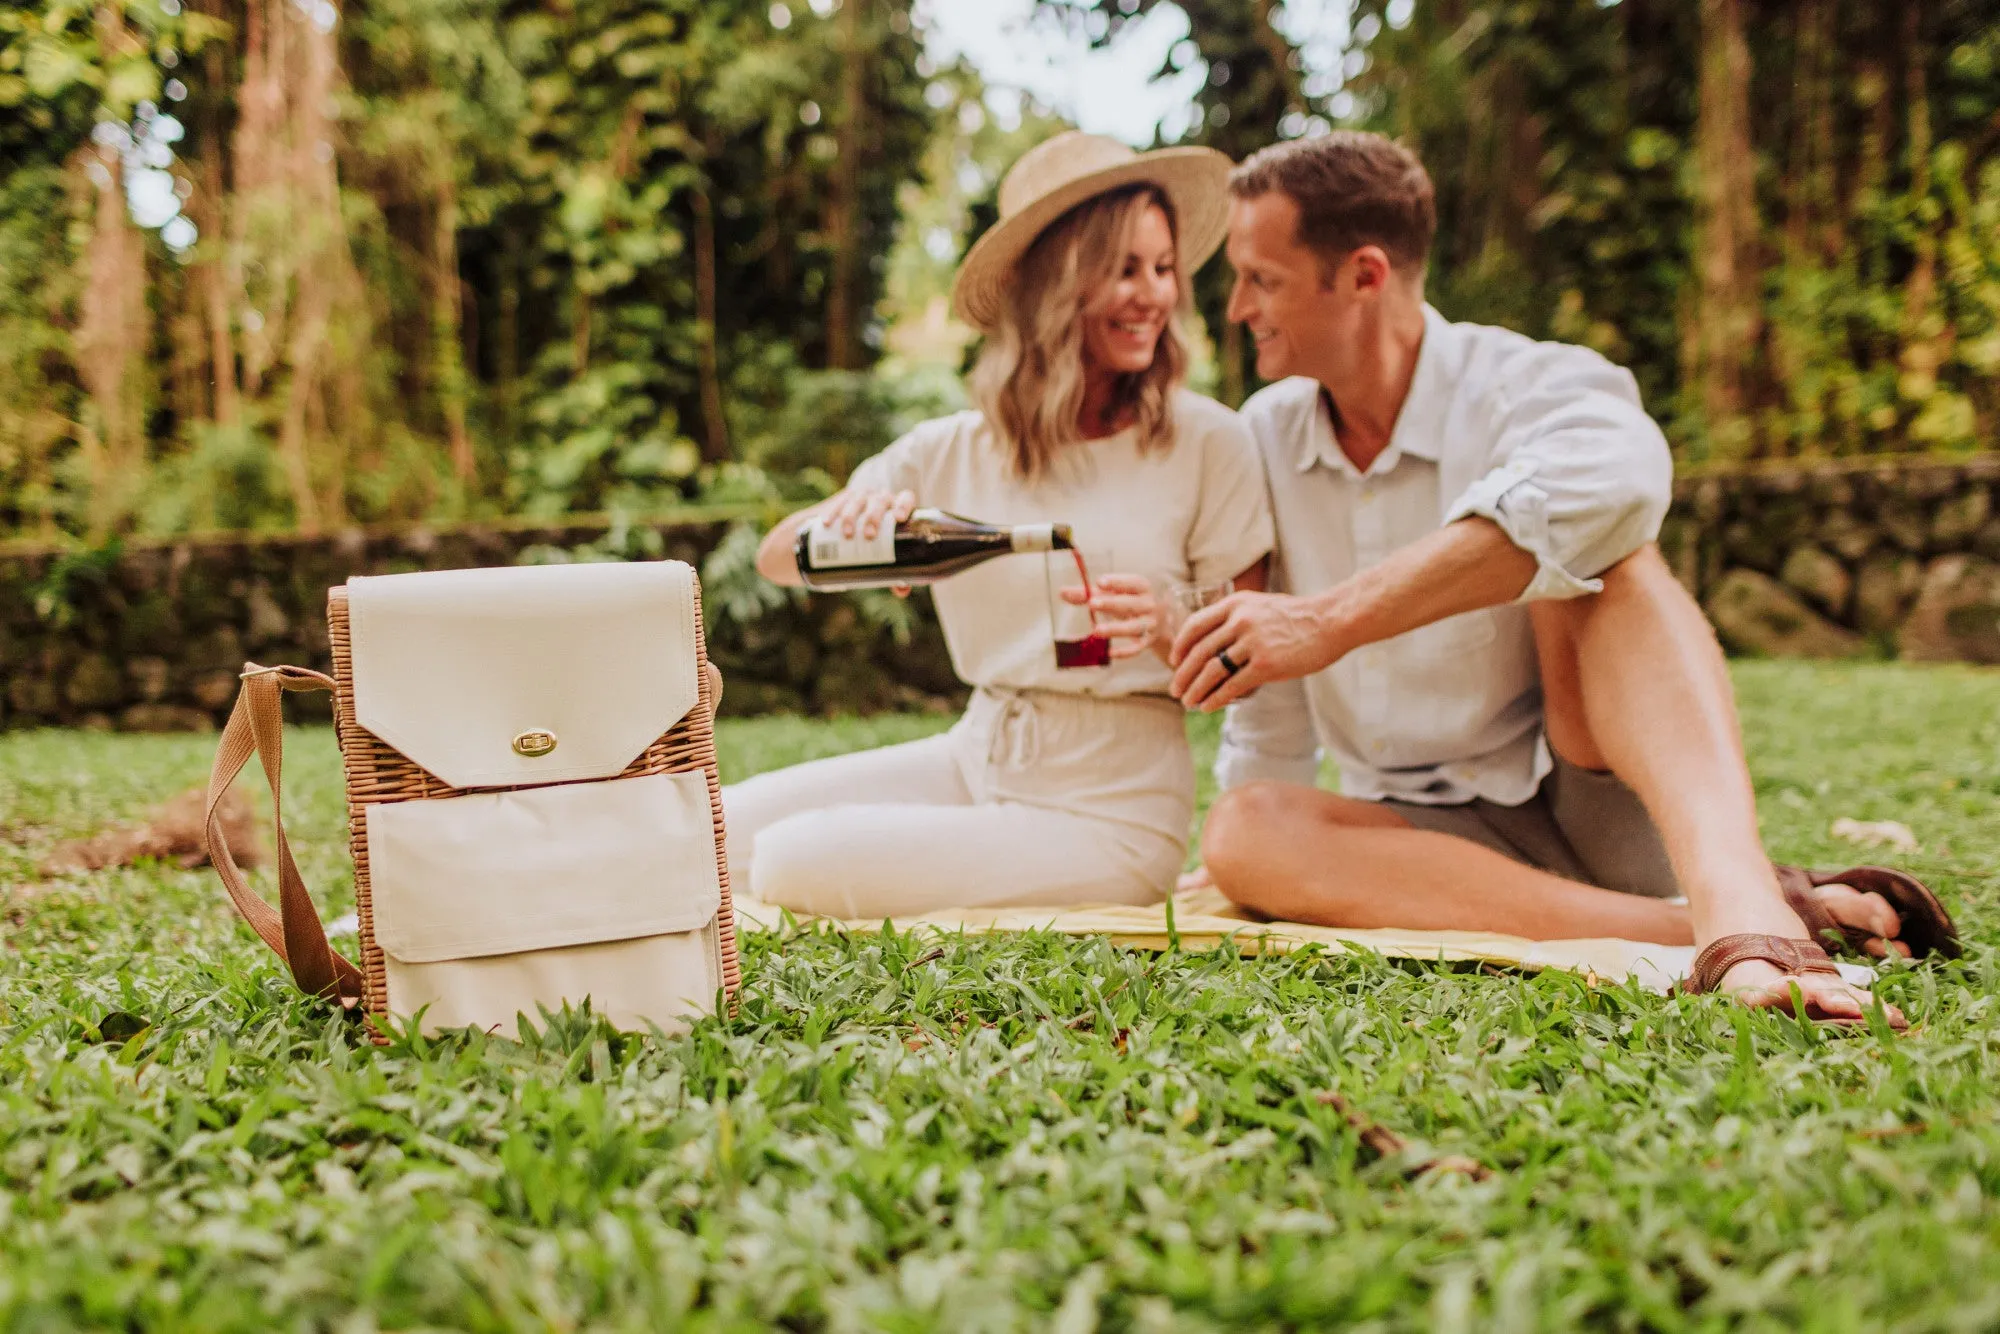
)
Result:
{"points": [[1196, 510], [1546, 440]]}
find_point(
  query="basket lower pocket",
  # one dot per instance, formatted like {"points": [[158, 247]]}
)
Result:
{"points": [[491, 904], [663, 980]]}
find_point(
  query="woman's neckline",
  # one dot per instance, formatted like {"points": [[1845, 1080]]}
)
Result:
{"points": [[1126, 429], [1128, 410]]}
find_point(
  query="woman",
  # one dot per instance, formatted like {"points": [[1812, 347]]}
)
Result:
{"points": [[1058, 786]]}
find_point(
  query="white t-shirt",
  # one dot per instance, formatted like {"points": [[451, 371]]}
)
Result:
{"points": [[1195, 511]]}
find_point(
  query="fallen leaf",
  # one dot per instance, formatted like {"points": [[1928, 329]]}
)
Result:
{"points": [[1876, 833]]}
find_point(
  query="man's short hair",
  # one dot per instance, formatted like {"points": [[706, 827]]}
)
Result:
{"points": [[1353, 189]]}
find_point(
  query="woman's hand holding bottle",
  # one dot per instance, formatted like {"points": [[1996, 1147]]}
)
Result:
{"points": [[862, 513]]}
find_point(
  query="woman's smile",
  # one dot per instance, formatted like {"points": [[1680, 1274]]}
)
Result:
{"points": [[1133, 340]]}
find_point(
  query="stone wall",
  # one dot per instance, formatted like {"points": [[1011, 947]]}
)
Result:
{"points": [[1830, 561], [1880, 559], [151, 637]]}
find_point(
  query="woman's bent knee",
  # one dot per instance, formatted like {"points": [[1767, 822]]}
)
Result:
{"points": [[797, 867]]}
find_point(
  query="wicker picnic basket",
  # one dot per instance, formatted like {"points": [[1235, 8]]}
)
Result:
{"points": [[501, 887]]}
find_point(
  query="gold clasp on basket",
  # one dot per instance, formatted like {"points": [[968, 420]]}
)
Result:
{"points": [[535, 742]]}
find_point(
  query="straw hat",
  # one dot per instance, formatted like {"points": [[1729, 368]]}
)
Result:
{"points": [[1054, 177]]}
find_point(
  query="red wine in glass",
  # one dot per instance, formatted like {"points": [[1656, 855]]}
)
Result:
{"points": [[1093, 650]]}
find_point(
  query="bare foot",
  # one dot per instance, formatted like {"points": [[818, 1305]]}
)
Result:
{"points": [[1870, 912], [1761, 985], [1828, 996]]}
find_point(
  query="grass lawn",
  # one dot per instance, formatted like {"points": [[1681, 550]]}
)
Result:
{"points": [[996, 1134]]}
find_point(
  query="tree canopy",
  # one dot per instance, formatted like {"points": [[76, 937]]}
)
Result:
{"points": [[1783, 216], [430, 254], [311, 262]]}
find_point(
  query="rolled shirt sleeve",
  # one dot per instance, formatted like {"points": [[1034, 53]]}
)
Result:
{"points": [[1580, 478]]}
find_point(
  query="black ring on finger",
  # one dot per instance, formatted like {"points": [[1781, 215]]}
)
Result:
{"points": [[1229, 664]]}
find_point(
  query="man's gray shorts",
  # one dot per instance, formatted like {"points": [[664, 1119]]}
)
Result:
{"points": [[1582, 824]]}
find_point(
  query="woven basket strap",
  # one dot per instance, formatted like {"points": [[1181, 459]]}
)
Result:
{"points": [[256, 727]]}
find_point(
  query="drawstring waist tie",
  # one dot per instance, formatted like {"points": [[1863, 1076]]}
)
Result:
{"points": [[1119, 758], [1018, 722]]}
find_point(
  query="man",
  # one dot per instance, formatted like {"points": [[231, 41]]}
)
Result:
{"points": [[1532, 720]]}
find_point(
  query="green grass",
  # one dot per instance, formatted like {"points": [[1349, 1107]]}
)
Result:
{"points": [[992, 1134]]}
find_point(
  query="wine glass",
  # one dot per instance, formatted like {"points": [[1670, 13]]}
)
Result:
{"points": [[1185, 598], [1074, 627]]}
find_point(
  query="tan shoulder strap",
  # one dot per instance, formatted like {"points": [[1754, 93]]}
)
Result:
{"points": [[256, 727]]}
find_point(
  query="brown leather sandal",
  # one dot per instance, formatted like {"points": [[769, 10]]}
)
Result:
{"points": [[1927, 927], [1791, 956]]}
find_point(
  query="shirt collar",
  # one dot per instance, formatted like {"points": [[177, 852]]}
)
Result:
{"points": [[1416, 432]]}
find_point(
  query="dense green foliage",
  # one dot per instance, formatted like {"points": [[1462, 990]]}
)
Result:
{"points": [[1784, 217], [997, 1134], [413, 258], [541, 256]]}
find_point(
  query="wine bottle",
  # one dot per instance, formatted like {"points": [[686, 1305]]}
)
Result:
{"points": [[924, 548]]}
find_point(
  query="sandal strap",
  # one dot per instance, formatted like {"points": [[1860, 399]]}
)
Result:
{"points": [[1725, 952], [1927, 927]]}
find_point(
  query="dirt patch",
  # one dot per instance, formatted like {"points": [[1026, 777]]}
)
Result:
{"points": [[173, 834]]}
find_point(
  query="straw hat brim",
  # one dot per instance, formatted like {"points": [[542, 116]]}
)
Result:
{"points": [[1196, 180]]}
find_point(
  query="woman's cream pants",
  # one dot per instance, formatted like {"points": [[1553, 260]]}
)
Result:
{"points": [[1032, 799]]}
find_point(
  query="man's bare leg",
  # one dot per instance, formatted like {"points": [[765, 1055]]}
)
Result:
{"points": [[1702, 789], [1310, 856], [1657, 710], [1635, 684]]}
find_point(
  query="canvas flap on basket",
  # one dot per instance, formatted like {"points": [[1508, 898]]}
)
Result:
{"points": [[531, 674], [541, 868]]}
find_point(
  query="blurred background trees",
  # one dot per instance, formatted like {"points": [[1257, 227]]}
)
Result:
{"points": [[269, 263], [1784, 215], [279, 261]]}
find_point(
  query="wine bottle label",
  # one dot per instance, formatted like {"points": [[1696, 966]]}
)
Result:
{"points": [[1034, 537], [828, 550]]}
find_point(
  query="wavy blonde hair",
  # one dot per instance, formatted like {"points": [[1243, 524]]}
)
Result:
{"points": [[1028, 380]]}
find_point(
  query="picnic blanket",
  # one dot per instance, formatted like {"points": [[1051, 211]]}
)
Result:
{"points": [[1203, 919]]}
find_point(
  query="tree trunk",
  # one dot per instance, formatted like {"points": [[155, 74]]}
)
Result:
{"points": [[1925, 342], [327, 310], [507, 338], [207, 208], [1808, 193], [842, 317], [448, 326], [715, 426], [111, 334], [256, 149], [579, 336], [1728, 308], [213, 280], [110, 342]]}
